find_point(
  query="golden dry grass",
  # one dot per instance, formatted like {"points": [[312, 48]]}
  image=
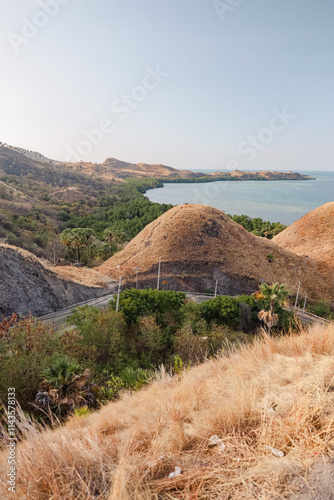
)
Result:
{"points": [[312, 235], [84, 276], [276, 393]]}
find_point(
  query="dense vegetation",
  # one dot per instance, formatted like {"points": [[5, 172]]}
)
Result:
{"points": [[258, 226], [109, 217], [122, 350]]}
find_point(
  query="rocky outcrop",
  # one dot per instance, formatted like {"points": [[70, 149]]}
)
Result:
{"points": [[27, 286]]}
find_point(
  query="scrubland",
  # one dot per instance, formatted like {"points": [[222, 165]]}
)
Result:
{"points": [[277, 392]]}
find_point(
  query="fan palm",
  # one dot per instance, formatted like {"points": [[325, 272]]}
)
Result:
{"points": [[272, 297]]}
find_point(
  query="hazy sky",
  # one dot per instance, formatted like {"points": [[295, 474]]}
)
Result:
{"points": [[188, 83]]}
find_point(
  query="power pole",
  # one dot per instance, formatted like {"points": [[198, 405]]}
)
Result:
{"points": [[158, 284], [119, 291], [216, 288], [304, 305], [297, 295], [136, 269]]}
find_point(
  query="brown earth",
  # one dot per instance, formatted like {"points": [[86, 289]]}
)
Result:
{"points": [[198, 245], [312, 235]]}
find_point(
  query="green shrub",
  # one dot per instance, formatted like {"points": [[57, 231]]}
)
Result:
{"points": [[222, 310], [27, 348], [102, 334], [320, 308], [165, 306]]}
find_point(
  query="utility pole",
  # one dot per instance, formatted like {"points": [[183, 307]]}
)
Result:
{"points": [[297, 295], [216, 288], [304, 305], [119, 291], [136, 269], [158, 284]]}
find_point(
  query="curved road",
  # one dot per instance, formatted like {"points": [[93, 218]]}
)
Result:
{"points": [[58, 318]]}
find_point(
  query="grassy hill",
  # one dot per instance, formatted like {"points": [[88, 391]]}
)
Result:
{"points": [[312, 235], [199, 244], [273, 396]]}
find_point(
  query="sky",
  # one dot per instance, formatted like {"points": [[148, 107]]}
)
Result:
{"points": [[194, 84]]}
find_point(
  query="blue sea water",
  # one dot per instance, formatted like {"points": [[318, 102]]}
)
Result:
{"points": [[283, 201]]}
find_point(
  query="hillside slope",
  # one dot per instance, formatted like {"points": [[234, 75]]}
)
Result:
{"points": [[198, 245], [277, 393], [27, 286], [312, 235]]}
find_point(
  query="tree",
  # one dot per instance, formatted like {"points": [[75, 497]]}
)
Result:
{"points": [[113, 235], [62, 371], [88, 236], [78, 239], [66, 238], [273, 298]]}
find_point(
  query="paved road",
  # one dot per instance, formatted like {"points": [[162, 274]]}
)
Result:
{"points": [[58, 318]]}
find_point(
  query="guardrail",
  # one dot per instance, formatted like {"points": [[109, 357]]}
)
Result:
{"points": [[306, 313]]}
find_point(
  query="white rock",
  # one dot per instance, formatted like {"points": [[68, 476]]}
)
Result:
{"points": [[216, 441], [176, 473], [274, 451]]}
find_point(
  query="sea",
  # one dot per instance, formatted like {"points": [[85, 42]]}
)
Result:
{"points": [[274, 201]]}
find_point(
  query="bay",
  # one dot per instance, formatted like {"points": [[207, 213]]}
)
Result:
{"points": [[275, 201]]}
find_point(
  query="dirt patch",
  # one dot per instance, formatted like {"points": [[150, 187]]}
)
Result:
{"points": [[318, 484]]}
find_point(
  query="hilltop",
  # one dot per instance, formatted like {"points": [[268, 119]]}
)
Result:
{"points": [[273, 396], [312, 235], [27, 285], [199, 244]]}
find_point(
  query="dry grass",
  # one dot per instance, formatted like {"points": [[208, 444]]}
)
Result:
{"points": [[83, 276], [276, 392], [312, 235]]}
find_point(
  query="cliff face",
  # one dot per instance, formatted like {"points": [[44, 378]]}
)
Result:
{"points": [[27, 286]]}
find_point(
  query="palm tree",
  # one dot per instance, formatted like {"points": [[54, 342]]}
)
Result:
{"points": [[66, 238], [113, 235], [78, 241], [272, 297], [61, 372], [65, 387], [88, 236]]}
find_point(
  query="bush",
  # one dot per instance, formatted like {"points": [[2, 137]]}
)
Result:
{"points": [[320, 309], [102, 334], [165, 306], [27, 348], [222, 310]]}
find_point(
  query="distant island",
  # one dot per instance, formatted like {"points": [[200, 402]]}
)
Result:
{"points": [[238, 175]]}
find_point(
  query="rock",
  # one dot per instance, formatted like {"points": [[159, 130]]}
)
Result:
{"points": [[27, 286], [176, 473], [215, 441]]}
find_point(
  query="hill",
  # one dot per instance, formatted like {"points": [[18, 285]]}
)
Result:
{"points": [[268, 175], [312, 235], [199, 244], [273, 397], [113, 169], [26, 285]]}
